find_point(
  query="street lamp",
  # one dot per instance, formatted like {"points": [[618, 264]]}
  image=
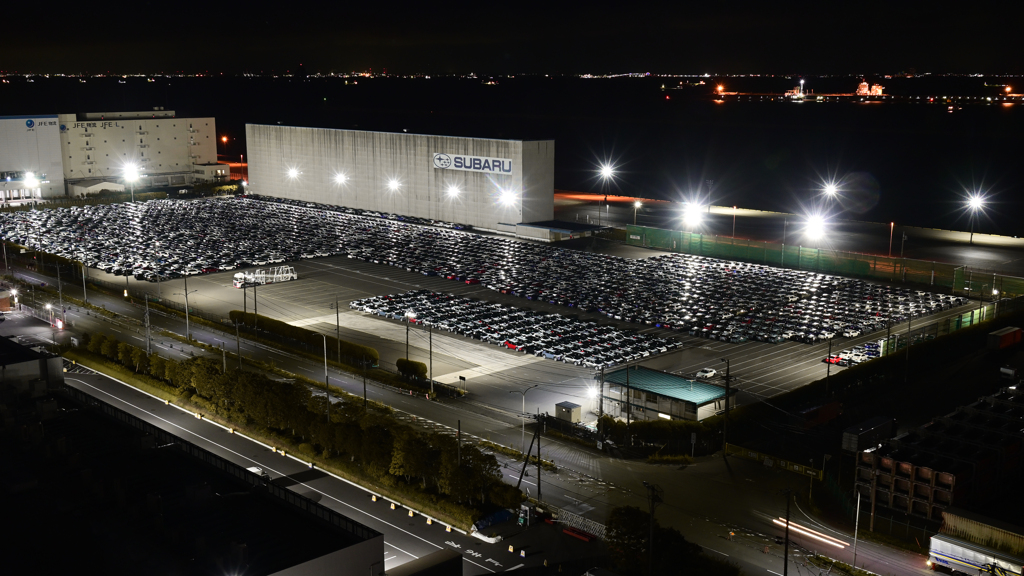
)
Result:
{"points": [[49, 309], [453, 191], [409, 317], [340, 178], [131, 176], [831, 190], [974, 203], [523, 392], [393, 184], [636, 206], [815, 228]]}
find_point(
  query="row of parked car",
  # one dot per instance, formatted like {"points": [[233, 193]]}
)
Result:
{"points": [[553, 336], [716, 299], [162, 239]]}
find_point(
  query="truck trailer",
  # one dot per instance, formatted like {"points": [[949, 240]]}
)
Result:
{"points": [[954, 555]]}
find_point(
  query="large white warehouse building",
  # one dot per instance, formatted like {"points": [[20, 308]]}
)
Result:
{"points": [[52, 155], [489, 184]]}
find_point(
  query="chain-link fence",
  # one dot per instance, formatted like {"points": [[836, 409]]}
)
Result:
{"points": [[973, 282]]}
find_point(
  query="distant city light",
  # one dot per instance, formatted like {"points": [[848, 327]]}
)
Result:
{"points": [[224, 139], [393, 184]]}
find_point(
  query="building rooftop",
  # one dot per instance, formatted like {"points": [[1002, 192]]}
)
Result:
{"points": [[666, 384]]}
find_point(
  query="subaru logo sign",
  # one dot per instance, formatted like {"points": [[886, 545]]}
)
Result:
{"points": [[472, 163], [442, 161], [30, 123], [63, 128]]}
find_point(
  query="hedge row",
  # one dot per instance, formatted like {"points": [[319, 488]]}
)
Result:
{"points": [[411, 368], [351, 350]]}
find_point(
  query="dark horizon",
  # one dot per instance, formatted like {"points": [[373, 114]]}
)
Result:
{"points": [[530, 38]]}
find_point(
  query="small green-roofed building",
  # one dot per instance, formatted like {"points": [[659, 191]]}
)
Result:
{"points": [[655, 394]]}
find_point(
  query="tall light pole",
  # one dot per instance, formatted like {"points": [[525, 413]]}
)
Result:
{"points": [[49, 309], [131, 176], [327, 382], [188, 331], [892, 226], [636, 206], [523, 392], [607, 173], [974, 203]]}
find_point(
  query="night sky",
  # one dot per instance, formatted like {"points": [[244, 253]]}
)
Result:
{"points": [[515, 37]]}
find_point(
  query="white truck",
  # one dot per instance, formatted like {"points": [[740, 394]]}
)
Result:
{"points": [[263, 276]]}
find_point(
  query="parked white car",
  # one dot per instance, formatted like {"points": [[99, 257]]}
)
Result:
{"points": [[707, 373]]}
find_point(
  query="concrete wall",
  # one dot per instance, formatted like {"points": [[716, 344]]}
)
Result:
{"points": [[31, 144], [165, 149], [304, 164]]}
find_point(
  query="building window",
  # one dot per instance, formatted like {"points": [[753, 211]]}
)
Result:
{"points": [[90, 170], [651, 397]]}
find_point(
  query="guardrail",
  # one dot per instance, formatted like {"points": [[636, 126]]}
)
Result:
{"points": [[773, 462]]}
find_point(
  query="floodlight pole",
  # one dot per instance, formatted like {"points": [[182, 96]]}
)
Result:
{"points": [[892, 225], [785, 222], [828, 366], [85, 297], [60, 293], [149, 349], [188, 332]]}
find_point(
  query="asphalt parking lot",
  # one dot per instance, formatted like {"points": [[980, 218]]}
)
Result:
{"points": [[651, 296]]}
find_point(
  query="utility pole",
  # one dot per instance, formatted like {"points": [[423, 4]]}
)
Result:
{"points": [[85, 297], [364, 382], [629, 400], [327, 381], [856, 526], [430, 336], [5, 256], [653, 499], [725, 421], [785, 549], [910, 340], [600, 398], [337, 326], [255, 313], [539, 425], [238, 346], [188, 332], [828, 366], [149, 348]]}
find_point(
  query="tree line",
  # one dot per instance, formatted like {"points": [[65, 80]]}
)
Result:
{"points": [[463, 482]]}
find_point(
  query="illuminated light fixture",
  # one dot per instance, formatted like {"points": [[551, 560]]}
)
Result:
{"points": [[293, 173], [224, 139], [692, 215], [340, 178], [812, 533], [831, 189], [815, 227], [591, 392], [245, 183], [508, 197], [30, 180], [637, 204], [607, 171], [393, 184], [453, 190], [131, 172], [976, 202]]}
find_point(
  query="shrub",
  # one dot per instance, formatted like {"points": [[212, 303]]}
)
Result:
{"points": [[411, 368]]}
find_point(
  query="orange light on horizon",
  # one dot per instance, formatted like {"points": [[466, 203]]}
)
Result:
{"points": [[1008, 88], [224, 139], [720, 87]]}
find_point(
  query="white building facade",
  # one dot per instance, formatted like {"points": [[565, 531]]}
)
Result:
{"points": [[58, 155], [30, 158], [489, 184]]}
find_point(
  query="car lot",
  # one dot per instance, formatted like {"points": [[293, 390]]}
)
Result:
{"points": [[714, 299], [552, 336]]}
